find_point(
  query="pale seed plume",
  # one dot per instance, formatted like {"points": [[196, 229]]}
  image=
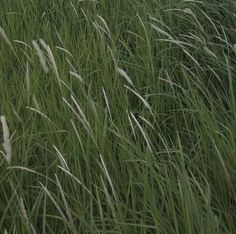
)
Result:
{"points": [[51, 58], [124, 75], [41, 56], [6, 140], [76, 75], [5, 37]]}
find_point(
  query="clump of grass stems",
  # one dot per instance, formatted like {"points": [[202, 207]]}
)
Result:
{"points": [[117, 116]]}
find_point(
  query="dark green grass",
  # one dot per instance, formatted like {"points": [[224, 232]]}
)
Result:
{"points": [[154, 155]]}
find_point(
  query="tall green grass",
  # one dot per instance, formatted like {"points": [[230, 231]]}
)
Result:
{"points": [[122, 116]]}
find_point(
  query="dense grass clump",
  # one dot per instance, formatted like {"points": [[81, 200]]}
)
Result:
{"points": [[118, 116]]}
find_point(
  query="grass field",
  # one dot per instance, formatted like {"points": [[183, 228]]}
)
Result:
{"points": [[118, 116]]}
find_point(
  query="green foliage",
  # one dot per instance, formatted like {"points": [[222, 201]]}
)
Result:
{"points": [[133, 127]]}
